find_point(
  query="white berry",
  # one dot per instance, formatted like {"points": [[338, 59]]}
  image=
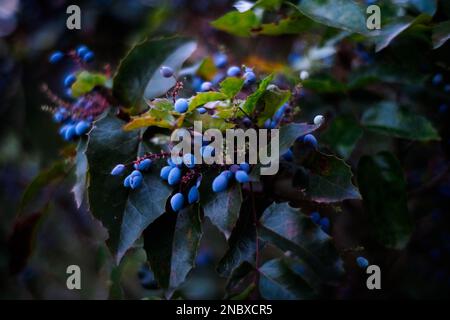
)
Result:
{"points": [[304, 75], [318, 120]]}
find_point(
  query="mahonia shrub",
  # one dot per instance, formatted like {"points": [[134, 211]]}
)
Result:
{"points": [[277, 227]]}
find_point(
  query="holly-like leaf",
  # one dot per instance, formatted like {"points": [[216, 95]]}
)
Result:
{"points": [[382, 184], [138, 76], [342, 14], [291, 25], [231, 86], [289, 229], [81, 169], [222, 208], [143, 206], [204, 97], [343, 135], [236, 23], [388, 118], [125, 213], [86, 81], [273, 100], [441, 33], [209, 122], [56, 172], [252, 100], [171, 243], [388, 33], [281, 279], [207, 69], [242, 243]]}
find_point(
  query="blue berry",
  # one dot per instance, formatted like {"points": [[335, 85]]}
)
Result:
{"points": [[55, 57], [288, 156], [127, 182], [70, 132], [227, 174], [164, 174], [69, 80], [241, 176], [220, 60], [206, 86], [166, 72], [118, 170], [82, 127], [234, 168], [310, 140], [315, 217], [174, 176], [325, 224], [247, 121], [362, 262], [193, 195], [207, 151], [136, 173], [177, 202], [144, 164], [189, 160], [245, 166], [181, 105], [82, 50], [280, 112], [250, 78], [437, 79], [88, 57], [135, 181], [220, 183], [60, 115], [233, 71], [202, 110], [268, 124]]}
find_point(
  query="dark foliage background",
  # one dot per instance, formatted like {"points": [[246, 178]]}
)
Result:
{"points": [[51, 233]]}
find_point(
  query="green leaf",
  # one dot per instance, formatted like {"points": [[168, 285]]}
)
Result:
{"points": [[222, 208], [287, 136], [342, 14], [269, 4], [86, 81], [207, 69], [231, 86], [390, 119], [281, 279], [159, 115], [330, 180], [172, 242], [382, 184], [138, 76], [125, 213], [289, 229], [205, 97], [441, 33], [143, 206], [81, 169], [385, 72], [252, 100], [273, 100], [291, 25], [383, 37], [242, 243], [209, 122], [426, 6], [45, 178], [342, 135], [236, 23]]}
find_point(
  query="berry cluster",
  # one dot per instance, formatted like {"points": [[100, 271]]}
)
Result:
{"points": [[75, 117], [323, 222]]}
